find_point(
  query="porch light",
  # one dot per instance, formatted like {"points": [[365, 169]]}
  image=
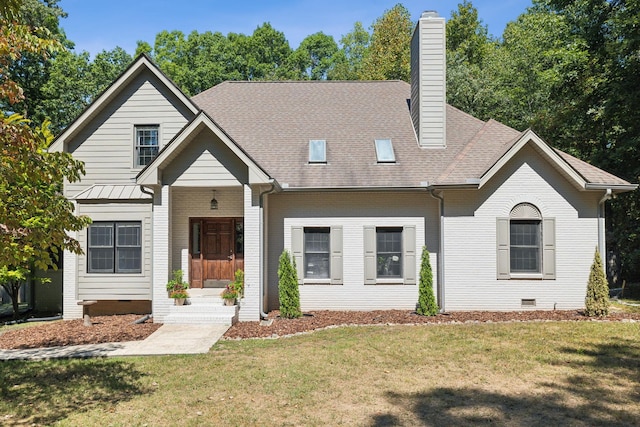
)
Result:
{"points": [[214, 202]]}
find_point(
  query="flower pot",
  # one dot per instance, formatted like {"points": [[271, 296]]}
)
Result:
{"points": [[179, 301], [229, 301]]}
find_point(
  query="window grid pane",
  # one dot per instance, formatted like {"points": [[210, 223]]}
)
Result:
{"points": [[525, 246], [146, 144], [316, 253], [389, 252], [114, 248]]}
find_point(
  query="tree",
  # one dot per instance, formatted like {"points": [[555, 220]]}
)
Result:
{"points": [[427, 305], [471, 55], [34, 215], [389, 55], [348, 60], [30, 70], [314, 57], [75, 81], [288, 291], [597, 300]]}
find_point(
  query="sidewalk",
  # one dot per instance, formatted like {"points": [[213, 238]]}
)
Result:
{"points": [[168, 339]]}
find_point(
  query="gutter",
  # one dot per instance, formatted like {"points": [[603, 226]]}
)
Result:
{"points": [[602, 243], [261, 255], [440, 199]]}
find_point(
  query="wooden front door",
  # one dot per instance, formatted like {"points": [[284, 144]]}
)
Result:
{"points": [[216, 251]]}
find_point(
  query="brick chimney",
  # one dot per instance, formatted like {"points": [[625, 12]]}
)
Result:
{"points": [[429, 81]]}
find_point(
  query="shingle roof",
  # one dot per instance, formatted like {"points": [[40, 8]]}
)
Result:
{"points": [[274, 121]]}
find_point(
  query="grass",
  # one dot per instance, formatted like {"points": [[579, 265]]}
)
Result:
{"points": [[628, 305], [569, 373]]}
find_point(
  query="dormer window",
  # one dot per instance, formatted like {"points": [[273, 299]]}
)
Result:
{"points": [[317, 151], [384, 151]]}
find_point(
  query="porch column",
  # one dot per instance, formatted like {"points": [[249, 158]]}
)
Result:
{"points": [[250, 308], [160, 257], [70, 308]]}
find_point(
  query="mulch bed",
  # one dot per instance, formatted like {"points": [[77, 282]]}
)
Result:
{"points": [[73, 332], [323, 319], [121, 328]]}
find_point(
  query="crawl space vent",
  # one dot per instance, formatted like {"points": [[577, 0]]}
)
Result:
{"points": [[528, 303]]}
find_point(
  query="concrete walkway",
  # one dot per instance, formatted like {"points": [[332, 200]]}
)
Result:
{"points": [[168, 339]]}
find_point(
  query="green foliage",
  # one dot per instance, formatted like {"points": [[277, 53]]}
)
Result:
{"points": [[427, 305], [315, 56], [389, 55], [597, 300], [235, 289], [177, 282], [288, 287], [348, 60]]}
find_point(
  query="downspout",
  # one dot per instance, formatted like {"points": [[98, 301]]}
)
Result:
{"points": [[146, 191], [602, 243], [440, 249], [261, 255]]}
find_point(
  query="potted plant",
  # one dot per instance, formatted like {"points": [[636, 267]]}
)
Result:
{"points": [[177, 288], [229, 295], [179, 296], [234, 290]]}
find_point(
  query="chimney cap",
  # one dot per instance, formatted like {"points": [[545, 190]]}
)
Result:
{"points": [[430, 14]]}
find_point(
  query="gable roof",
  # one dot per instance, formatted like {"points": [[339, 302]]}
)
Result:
{"points": [[151, 174], [139, 65], [274, 121]]}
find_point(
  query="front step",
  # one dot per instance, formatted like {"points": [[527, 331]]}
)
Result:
{"points": [[208, 310]]}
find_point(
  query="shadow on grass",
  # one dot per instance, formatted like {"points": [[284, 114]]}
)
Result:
{"points": [[43, 393], [601, 387]]}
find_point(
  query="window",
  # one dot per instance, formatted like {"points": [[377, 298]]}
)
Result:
{"points": [[390, 255], [115, 247], [384, 151], [146, 144], [389, 252], [317, 151], [524, 237], [317, 253], [526, 244]]}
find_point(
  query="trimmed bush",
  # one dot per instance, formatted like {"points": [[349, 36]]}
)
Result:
{"points": [[597, 300], [426, 299], [288, 287]]}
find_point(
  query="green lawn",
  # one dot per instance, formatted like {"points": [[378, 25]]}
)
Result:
{"points": [[533, 374]]}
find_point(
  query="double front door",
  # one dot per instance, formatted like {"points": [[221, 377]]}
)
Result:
{"points": [[216, 251]]}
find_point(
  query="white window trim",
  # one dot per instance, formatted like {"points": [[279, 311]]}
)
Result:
{"points": [[136, 127]]}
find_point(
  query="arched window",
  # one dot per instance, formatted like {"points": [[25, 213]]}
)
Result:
{"points": [[525, 235], [526, 244]]}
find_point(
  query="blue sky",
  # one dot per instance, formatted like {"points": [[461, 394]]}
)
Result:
{"points": [[102, 25]]}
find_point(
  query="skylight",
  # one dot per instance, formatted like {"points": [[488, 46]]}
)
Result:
{"points": [[317, 151], [384, 151]]}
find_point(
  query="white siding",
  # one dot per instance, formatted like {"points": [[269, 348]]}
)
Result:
{"points": [[195, 203], [470, 239], [106, 143], [352, 211], [70, 308], [115, 286], [160, 257], [250, 307]]}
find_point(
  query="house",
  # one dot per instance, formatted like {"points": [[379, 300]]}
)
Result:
{"points": [[353, 178]]}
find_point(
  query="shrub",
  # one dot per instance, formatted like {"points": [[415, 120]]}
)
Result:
{"points": [[597, 300], [288, 287], [426, 299]]}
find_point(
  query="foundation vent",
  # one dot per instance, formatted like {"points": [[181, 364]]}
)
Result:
{"points": [[528, 302]]}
